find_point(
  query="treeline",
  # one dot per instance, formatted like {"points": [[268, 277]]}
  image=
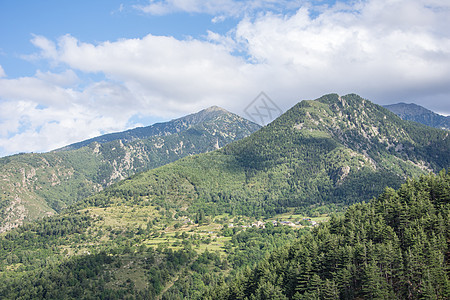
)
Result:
{"points": [[395, 247]]}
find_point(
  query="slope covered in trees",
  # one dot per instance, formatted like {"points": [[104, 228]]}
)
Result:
{"points": [[34, 185], [120, 253], [319, 156], [173, 231], [395, 247]]}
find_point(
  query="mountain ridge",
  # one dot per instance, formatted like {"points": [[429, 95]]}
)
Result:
{"points": [[419, 114], [176, 230], [34, 185], [330, 150], [157, 129]]}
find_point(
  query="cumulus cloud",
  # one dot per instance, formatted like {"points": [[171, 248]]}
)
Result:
{"points": [[39, 114], [65, 79], [386, 51], [2, 72], [376, 48], [164, 75]]}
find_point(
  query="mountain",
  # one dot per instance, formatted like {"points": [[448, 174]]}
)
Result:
{"points": [[175, 231], [333, 150], [395, 247], [35, 185], [207, 116], [419, 114]]}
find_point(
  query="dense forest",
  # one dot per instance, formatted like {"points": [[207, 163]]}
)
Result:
{"points": [[394, 247]]}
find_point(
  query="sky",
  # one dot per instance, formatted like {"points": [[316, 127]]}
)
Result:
{"points": [[73, 70]]}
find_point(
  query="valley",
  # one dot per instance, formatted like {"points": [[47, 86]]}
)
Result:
{"points": [[225, 150], [337, 198]]}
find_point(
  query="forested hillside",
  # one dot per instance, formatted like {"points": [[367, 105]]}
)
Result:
{"points": [[395, 247], [34, 185], [195, 228], [319, 156], [131, 252]]}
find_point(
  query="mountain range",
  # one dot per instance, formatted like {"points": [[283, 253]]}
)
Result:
{"points": [[35, 185], [207, 225], [333, 150], [419, 114]]}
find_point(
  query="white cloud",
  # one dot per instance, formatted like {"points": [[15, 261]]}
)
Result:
{"points": [[380, 49], [222, 8], [38, 114], [2, 72], [34, 89], [66, 79], [165, 76], [48, 48], [386, 51]]}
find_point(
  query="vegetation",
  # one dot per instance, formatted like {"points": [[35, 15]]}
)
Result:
{"points": [[395, 247], [35, 185], [320, 156], [133, 252], [242, 222]]}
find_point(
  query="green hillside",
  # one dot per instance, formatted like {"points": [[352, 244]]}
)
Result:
{"points": [[319, 156], [395, 247], [35, 185], [195, 228]]}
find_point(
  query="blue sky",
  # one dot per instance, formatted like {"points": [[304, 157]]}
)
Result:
{"points": [[71, 70], [89, 21]]}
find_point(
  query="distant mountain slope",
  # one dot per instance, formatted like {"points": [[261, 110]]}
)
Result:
{"points": [[161, 129], [34, 185], [419, 114], [331, 151]]}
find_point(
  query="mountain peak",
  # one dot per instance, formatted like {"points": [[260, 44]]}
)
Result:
{"points": [[216, 108], [210, 114], [53, 180], [205, 114], [411, 109]]}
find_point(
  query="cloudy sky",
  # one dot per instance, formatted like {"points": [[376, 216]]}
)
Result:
{"points": [[72, 70]]}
